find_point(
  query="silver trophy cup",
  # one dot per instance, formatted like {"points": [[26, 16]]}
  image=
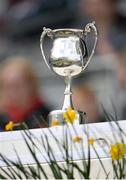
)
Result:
{"points": [[68, 58]]}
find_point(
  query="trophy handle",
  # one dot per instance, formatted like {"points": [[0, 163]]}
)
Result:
{"points": [[88, 28], [49, 33]]}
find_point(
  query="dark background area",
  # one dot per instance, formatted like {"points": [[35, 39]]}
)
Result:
{"points": [[22, 22]]}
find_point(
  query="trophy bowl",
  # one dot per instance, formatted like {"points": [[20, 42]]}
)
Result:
{"points": [[68, 58], [69, 52]]}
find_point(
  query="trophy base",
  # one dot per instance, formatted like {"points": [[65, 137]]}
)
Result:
{"points": [[56, 117]]}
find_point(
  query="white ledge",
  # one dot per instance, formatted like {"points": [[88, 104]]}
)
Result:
{"points": [[14, 140]]}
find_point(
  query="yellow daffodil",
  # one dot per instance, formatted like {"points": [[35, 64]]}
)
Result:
{"points": [[55, 123], [70, 115], [77, 139], [9, 126], [117, 151], [90, 141]]}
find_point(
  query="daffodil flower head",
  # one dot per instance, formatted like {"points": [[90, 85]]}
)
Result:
{"points": [[70, 115], [77, 139], [90, 141], [117, 151], [9, 126]]}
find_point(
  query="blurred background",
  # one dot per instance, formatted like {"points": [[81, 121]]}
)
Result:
{"points": [[103, 84]]}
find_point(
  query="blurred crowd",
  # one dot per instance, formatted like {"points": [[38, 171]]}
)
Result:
{"points": [[28, 90]]}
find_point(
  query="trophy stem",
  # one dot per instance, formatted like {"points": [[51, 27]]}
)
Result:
{"points": [[68, 94]]}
